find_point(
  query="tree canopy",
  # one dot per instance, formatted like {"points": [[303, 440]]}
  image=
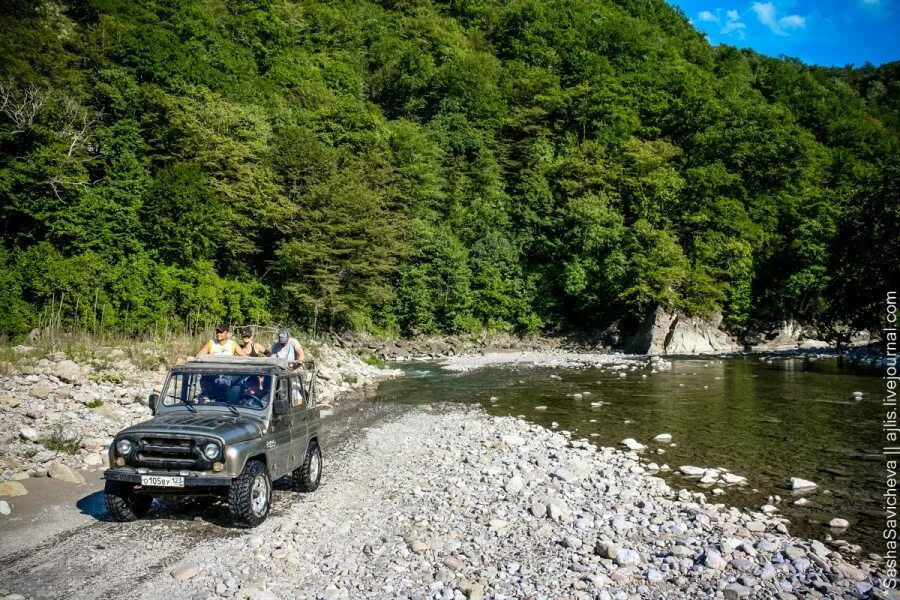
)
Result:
{"points": [[420, 166]]}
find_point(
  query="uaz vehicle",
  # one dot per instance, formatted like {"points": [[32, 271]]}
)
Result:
{"points": [[223, 427]]}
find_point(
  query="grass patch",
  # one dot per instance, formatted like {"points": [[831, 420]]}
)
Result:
{"points": [[113, 378], [58, 441], [350, 378], [372, 360], [95, 403]]}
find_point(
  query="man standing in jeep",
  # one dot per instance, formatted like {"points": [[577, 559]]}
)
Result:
{"points": [[222, 344], [287, 347]]}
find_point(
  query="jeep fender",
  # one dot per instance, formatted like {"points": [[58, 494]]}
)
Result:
{"points": [[237, 455]]}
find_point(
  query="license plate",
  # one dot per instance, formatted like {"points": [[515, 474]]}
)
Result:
{"points": [[158, 481]]}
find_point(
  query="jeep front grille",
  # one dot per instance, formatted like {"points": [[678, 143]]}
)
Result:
{"points": [[170, 453]]}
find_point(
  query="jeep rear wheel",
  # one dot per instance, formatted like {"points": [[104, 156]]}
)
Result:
{"points": [[250, 496], [306, 477], [123, 504]]}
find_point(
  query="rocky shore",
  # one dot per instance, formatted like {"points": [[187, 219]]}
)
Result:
{"points": [[58, 416], [450, 503], [661, 334]]}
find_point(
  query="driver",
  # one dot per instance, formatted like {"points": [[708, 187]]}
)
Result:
{"points": [[253, 391]]}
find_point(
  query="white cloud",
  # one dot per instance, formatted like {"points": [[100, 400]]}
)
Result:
{"points": [[792, 22], [767, 15], [734, 26], [731, 24]]}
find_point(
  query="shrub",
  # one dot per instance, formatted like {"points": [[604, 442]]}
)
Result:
{"points": [[58, 441]]}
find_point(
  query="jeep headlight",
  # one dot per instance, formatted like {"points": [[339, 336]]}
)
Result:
{"points": [[211, 451], [124, 447]]}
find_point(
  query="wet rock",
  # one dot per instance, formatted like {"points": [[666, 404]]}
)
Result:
{"points": [[838, 523], [798, 484], [633, 444], [692, 471]]}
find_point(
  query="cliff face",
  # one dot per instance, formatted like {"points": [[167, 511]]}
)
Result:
{"points": [[673, 333]]}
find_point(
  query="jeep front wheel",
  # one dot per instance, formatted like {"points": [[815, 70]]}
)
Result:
{"points": [[123, 504], [250, 496], [306, 477]]}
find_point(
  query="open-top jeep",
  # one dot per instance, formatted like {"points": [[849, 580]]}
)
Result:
{"points": [[223, 427]]}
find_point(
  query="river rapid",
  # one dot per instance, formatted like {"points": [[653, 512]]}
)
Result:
{"points": [[767, 418]]}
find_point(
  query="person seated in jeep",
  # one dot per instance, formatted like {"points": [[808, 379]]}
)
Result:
{"points": [[252, 391], [207, 390]]}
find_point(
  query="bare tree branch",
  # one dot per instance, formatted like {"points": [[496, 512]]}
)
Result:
{"points": [[78, 123], [22, 106]]}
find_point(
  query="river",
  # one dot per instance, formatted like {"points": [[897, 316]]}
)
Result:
{"points": [[766, 418]]}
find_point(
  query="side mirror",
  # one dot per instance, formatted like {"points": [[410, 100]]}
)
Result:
{"points": [[280, 406], [152, 400]]}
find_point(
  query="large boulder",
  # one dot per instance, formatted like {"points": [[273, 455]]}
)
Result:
{"points": [[42, 389], [673, 333], [12, 488], [60, 471], [68, 371]]}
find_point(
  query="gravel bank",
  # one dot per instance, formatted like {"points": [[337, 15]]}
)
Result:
{"points": [[554, 359], [451, 503], [58, 416]]}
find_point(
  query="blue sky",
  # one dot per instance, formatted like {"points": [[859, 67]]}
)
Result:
{"points": [[827, 32]]}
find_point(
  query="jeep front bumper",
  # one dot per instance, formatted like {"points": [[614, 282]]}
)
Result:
{"points": [[190, 481]]}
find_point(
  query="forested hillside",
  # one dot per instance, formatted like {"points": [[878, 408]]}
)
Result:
{"points": [[415, 166]]}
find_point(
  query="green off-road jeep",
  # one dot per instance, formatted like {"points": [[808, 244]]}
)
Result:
{"points": [[223, 427]]}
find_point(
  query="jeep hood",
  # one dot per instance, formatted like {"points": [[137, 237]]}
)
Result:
{"points": [[229, 428]]}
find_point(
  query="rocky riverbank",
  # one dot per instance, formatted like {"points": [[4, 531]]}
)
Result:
{"points": [[661, 334], [450, 503], [58, 416]]}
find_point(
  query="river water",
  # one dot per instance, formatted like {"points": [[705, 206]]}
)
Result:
{"points": [[766, 418]]}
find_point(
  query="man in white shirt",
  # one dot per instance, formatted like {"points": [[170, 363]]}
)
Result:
{"points": [[288, 347]]}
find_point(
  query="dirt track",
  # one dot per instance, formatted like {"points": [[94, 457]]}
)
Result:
{"points": [[58, 542]]}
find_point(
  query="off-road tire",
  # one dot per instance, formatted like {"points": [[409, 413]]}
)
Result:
{"points": [[302, 479], [123, 504], [241, 495]]}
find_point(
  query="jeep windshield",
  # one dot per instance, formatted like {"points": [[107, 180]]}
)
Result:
{"points": [[226, 389]]}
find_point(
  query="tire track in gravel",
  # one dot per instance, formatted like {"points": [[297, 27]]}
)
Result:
{"points": [[105, 559]]}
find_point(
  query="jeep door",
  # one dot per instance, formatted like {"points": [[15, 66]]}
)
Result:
{"points": [[299, 421], [278, 442]]}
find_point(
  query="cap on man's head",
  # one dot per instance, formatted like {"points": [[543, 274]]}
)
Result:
{"points": [[283, 335], [222, 328], [248, 332]]}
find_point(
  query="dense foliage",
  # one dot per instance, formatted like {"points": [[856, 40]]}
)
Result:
{"points": [[415, 166]]}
